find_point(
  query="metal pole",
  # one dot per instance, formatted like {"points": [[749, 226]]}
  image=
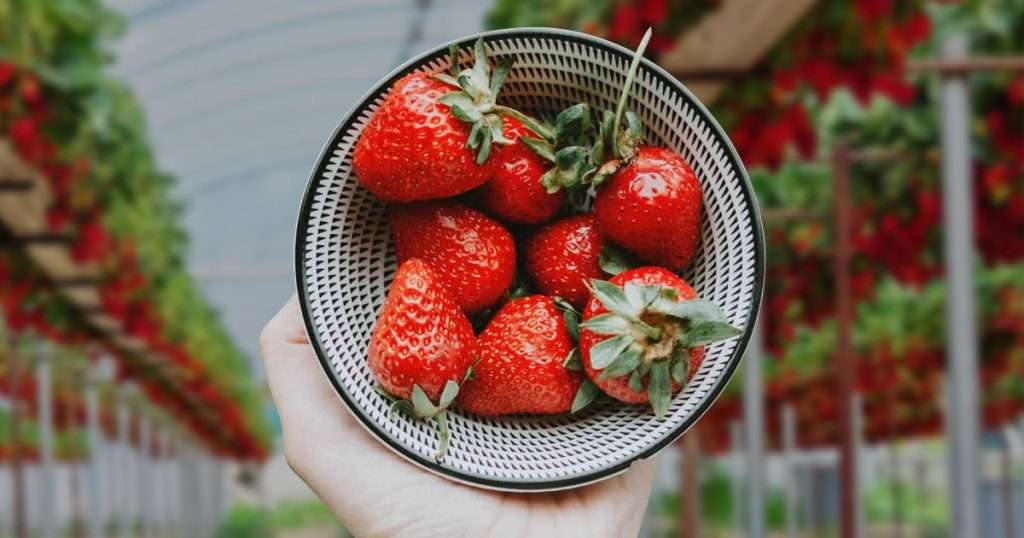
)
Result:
{"points": [[961, 332], [858, 446], [143, 468], [736, 439], [47, 486], [753, 415], [17, 468], [94, 476], [190, 507], [1007, 468], [125, 503], [789, 456], [217, 474], [849, 505]]}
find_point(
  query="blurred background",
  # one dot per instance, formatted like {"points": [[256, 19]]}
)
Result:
{"points": [[153, 154]]}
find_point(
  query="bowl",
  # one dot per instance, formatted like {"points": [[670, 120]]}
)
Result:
{"points": [[345, 260]]}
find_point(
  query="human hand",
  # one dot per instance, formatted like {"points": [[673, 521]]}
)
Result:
{"points": [[375, 493]]}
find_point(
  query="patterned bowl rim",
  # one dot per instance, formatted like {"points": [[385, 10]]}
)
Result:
{"points": [[596, 475]]}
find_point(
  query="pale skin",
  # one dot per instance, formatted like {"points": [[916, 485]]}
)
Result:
{"points": [[376, 493]]}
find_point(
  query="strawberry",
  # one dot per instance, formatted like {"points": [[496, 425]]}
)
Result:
{"points": [[471, 253], [563, 256], [643, 335], [652, 208], [422, 346], [515, 193], [420, 143], [521, 370]]}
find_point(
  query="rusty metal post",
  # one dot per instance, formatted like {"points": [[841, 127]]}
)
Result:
{"points": [[845, 371], [689, 495]]}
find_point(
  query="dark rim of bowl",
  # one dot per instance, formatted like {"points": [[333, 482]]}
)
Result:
{"points": [[527, 485]]}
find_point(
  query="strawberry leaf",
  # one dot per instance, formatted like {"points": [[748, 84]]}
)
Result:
{"points": [[692, 309], [572, 125], [608, 323], [541, 147], [453, 61], [451, 390], [625, 363], [401, 406], [422, 405], [613, 298], [500, 74], [680, 367], [636, 381], [573, 361], [606, 351], [586, 394], [659, 389], [707, 332], [613, 260], [628, 140], [571, 317]]}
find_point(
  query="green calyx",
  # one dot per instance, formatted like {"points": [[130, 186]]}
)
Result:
{"points": [[650, 334], [587, 147], [588, 391], [420, 406], [475, 99]]}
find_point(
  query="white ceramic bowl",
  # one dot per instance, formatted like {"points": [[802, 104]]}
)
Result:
{"points": [[345, 261]]}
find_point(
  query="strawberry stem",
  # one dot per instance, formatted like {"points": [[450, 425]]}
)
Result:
{"points": [[630, 77], [530, 123], [441, 419]]}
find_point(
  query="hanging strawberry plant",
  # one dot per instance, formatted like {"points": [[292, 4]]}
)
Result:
{"points": [[86, 135]]}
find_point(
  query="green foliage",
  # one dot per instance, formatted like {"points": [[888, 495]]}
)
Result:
{"points": [[252, 521], [561, 13], [300, 514], [246, 521], [96, 119]]}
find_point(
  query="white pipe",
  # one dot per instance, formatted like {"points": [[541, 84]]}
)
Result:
{"points": [[48, 477], [961, 311], [788, 456], [94, 473], [753, 414]]}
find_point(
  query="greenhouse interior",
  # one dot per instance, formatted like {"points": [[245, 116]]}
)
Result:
{"points": [[154, 154]]}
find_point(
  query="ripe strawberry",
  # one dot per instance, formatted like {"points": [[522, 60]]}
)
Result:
{"points": [[414, 148], [420, 144], [643, 335], [471, 253], [652, 208], [562, 257], [422, 346], [521, 370], [515, 193]]}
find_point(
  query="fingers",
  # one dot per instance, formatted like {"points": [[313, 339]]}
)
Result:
{"points": [[302, 394]]}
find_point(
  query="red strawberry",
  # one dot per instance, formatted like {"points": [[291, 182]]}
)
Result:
{"points": [[414, 148], [521, 370], [515, 193], [422, 346], [420, 144], [643, 335], [652, 208], [562, 257], [472, 254]]}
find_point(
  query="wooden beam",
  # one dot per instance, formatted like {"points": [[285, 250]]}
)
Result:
{"points": [[960, 67], [732, 39], [14, 186]]}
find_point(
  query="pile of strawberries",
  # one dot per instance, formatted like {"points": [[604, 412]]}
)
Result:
{"points": [[560, 241]]}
